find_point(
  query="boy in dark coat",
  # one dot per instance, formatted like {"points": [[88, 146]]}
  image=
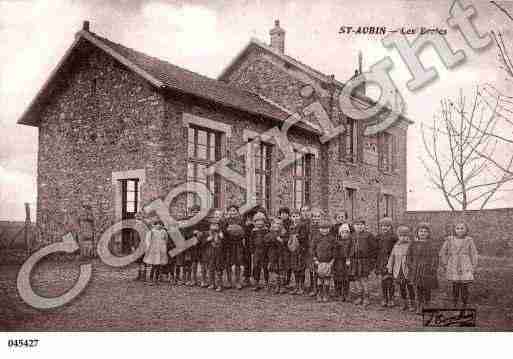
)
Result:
{"points": [[277, 240], [213, 246], [340, 266], [298, 245], [316, 215], [258, 249], [362, 257], [386, 240], [193, 255], [323, 259], [235, 237], [284, 214]]}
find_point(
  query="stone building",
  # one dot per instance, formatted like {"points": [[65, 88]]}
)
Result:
{"points": [[118, 129]]}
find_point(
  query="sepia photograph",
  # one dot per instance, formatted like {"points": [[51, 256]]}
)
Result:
{"points": [[255, 166]]}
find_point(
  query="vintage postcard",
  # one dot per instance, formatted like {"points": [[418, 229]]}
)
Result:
{"points": [[257, 165]]}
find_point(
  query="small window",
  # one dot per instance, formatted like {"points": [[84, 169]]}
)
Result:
{"points": [[302, 179], [351, 141], [389, 205]]}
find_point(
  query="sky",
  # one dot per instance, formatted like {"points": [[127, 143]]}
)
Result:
{"points": [[204, 36]]}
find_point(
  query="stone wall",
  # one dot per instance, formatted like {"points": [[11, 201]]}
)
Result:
{"points": [[175, 162], [271, 77], [492, 229], [101, 119]]}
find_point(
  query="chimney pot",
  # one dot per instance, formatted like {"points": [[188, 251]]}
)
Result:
{"points": [[277, 37], [85, 26]]}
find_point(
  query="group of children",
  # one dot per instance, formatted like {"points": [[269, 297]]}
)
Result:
{"points": [[299, 244]]}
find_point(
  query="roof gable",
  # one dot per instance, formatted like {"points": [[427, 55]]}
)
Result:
{"points": [[164, 75]]}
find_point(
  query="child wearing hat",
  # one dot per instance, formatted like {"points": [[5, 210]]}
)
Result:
{"points": [[259, 250], [422, 260], [386, 240], [397, 265], [324, 258], [214, 254], [458, 258], [340, 265], [362, 257]]}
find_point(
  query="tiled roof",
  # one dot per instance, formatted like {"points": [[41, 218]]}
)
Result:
{"points": [[167, 75]]}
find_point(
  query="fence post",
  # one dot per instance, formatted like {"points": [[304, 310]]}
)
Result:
{"points": [[27, 227]]}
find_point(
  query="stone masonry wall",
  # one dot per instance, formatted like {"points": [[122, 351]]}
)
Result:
{"points": [[101, 118], [272, 78], [492, 229]]}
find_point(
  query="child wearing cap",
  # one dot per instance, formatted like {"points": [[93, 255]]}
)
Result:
{"points": [[214, 255], [422, 260], [386, 240], [324, 258], [458, 258], [340, 265], [258, 249], [362, 257], [397, 265]]}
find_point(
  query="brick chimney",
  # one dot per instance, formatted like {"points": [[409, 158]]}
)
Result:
{"points": [[277, 37], [85, 25]]}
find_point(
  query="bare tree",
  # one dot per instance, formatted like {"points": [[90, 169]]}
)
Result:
{"points": [[458, 144]]}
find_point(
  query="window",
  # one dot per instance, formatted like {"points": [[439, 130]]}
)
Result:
{"points": [[203, 149], [129, 197], [386, 152], [389, 205], [262, 154], [351, 203], [351, 140], [129, 207], [302, 179]]}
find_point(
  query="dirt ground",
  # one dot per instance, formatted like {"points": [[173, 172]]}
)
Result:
{"points": [[114, 302]]}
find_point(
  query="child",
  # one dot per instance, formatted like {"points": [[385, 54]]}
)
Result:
{"points": [[142, 267], [422, 261], [298, 244], [340, 266], [316, 215], [156, 249], [214, 253], [258, 249], [386, 240], [340, 218], [458, 258], [284, 214], [277, 240], [398, 267], [234, 234], [324, 258], [362, 257]]}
